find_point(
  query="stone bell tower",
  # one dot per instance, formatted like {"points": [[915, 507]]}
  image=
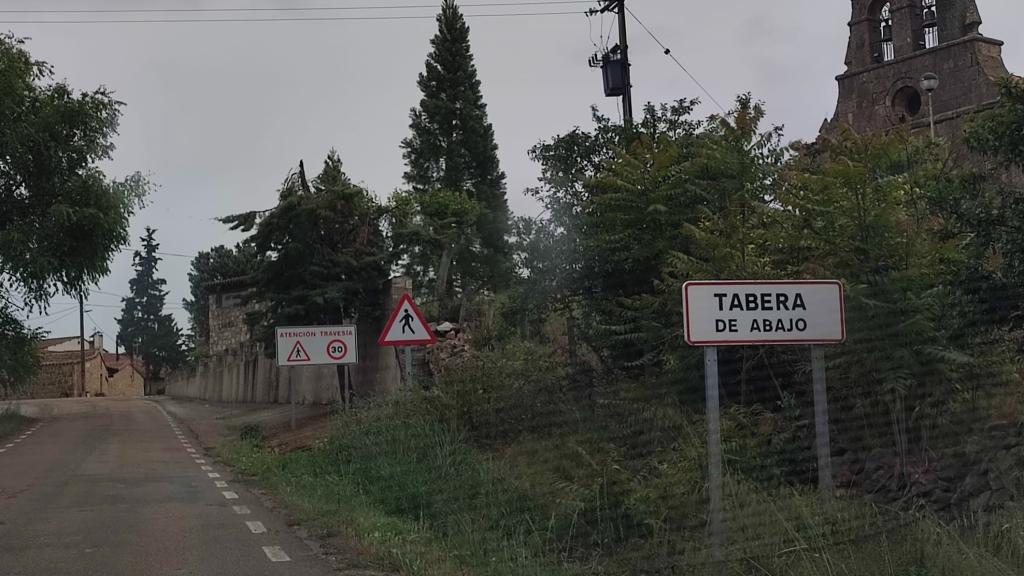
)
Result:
{"points": [[893, 43]]}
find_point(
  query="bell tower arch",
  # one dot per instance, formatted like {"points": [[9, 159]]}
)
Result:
{"points": [[893, 43]]}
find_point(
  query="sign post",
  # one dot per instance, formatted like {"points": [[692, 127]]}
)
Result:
{"points": [[317, 346], [826, 484], [762, 313], [407, 328]]}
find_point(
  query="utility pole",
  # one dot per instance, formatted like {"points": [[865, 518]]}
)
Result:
{"points": [[81, 342], [627, 98], [617, 82]]}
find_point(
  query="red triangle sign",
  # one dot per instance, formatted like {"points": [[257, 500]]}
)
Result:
{"points": [[298, 354], [407, 326]]}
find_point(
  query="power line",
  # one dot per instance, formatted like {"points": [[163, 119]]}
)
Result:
{"points": [[290, 9], [668, 52], [55, 320], [284, 19], [52, 314]]}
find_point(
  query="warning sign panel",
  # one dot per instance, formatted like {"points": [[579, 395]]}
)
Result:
{"points": [[317, 346], [407, 327]]}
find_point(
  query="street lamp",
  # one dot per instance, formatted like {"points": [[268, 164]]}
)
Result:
{"points": [[930, 83]]}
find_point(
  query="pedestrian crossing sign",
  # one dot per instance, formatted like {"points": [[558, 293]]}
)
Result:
{"points": [[407, 326]]}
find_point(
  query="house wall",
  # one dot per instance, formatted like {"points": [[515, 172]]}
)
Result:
{"points": [[228, 329], [126, 383]]}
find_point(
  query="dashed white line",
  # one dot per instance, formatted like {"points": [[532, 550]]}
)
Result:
{"points": [[2, 450], [276, 554], [241, 510], [213, 475], [230, 495], [200, 461], [190, 450], [9, 446], [220, 484], [256, 527], [206, 468]]}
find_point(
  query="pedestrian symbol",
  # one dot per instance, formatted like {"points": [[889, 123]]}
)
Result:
{"points": [[407, 326], [407, 322], [298, 354]]}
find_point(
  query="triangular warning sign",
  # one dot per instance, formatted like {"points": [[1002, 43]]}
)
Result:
{"points": [[298, 354], [407, 327]]}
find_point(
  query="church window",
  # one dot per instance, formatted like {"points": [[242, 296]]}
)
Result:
{"points": [[931, 23], [888, 51]]}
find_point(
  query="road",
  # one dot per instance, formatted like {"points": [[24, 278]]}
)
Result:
{"points": [[110, 487]]}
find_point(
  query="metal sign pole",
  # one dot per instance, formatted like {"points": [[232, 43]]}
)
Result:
{"points": [[408, 366], [715, 530], [348, 388], [291, 395], [825, 481]]}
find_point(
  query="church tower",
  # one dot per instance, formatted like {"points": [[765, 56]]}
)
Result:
{"points": [[893, 44]]}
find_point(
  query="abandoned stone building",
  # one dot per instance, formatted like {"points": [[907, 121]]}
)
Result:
{"points": [[894, 44], [106, 374]]}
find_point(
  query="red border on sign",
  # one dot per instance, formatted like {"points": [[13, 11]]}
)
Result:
{"points": [[343, 345], [298, 346], [394, 316], [842, 311]]}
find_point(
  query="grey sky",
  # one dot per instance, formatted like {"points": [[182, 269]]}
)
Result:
{"points": [[218, 113]]}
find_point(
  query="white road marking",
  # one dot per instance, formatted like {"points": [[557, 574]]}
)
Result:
{"points": [[9, 446], [220, 484], [256, 527], [276, 554], [190, 450], [18, 440], [230, 495], [200, 461], [241, 510], [213, 475], [206, 468], [2, 450]]}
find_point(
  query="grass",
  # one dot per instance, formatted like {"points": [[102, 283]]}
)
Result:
{"points": [[507, 470], [11, 421]]}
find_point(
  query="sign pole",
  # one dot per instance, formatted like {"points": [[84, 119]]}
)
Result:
{"points": [[291, 396], [715, 529], [348, 388], [408, 366], [825, 482]]}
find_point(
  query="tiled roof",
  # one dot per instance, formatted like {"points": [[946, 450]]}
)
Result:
{"points": [[47, 343], [122, 362]]}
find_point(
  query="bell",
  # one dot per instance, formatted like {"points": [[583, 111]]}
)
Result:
{"points": [[930, 19], [887, 33]]}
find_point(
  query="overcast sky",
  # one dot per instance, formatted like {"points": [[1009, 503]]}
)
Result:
{"points": [[217, 113]]}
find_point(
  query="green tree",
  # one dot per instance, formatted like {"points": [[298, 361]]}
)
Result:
{"points": [[999, 132], [324, 260], [452, 154], [61, 218], [144, 328], [218, 264]]}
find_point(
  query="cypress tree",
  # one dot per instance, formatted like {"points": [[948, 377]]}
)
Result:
{"points": [[452, 147]]}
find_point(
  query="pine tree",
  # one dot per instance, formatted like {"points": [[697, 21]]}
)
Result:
{"points": [[145, 330], [452, 150]]}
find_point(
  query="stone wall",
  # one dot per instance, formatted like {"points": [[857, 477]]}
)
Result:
{"points": [[126, 383], [228, 328], [242, 373]]}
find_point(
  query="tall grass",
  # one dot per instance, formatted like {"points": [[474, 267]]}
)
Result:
{"points": [[10, 421], [513, 468]]}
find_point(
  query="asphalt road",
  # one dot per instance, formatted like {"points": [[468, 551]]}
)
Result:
{"points": [[118, 487]]}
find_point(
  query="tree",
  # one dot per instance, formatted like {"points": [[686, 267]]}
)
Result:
{"points": [[61, 218], [324, 258], [145, 330], [452, 154], [999, 132], [218, 264]]}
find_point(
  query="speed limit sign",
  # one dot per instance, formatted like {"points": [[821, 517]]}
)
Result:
{"points": [[317, 346]]}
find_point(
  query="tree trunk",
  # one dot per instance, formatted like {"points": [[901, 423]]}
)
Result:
{"points": [[443, 272]]}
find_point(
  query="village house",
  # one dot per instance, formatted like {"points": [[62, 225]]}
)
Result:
{"points": [[106, 374]]}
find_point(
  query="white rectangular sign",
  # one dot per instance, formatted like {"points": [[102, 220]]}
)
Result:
{"points": [[741, 313], [317, 346]]}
